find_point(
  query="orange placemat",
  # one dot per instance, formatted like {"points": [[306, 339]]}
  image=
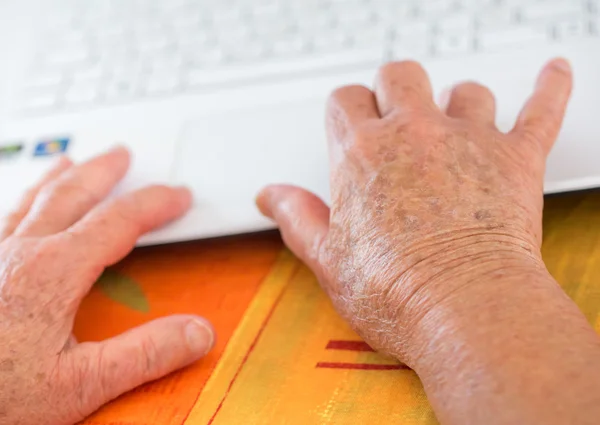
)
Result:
{"points": [[217, 280]]}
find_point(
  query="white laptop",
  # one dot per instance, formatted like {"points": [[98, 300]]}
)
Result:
{"points": [[226, 96]]}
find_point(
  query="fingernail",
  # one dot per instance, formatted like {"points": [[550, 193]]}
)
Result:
{"points": [[562, 64], [263, 205], [200, 336]]}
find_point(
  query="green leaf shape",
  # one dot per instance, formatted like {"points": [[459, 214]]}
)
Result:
{"points": [[124, 290]]}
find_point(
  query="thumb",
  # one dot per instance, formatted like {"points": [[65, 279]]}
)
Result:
{"points": [[302, 217], [105, 370]]}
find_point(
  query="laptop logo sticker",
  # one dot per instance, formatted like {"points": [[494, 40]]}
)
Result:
{"points": [[10, 150], [51, 147]]}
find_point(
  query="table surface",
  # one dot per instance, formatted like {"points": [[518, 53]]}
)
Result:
{"points": [[283, 356]]}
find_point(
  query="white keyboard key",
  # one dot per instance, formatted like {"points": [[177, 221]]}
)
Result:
{"points": [[511, 37], [236, 34], [329, 42], [375, 37], [412, 41], [248, 52], [392, 12], [551, 9], [152, 44], [354, 17], [160, 84], [291, 46], [123, 69], [165, 63], [496, 17], [84, 93], [39, 101], [211, 57], [121, 90], [67, 56], [568, 29], [44, 80], [267, 9], [92, 73], [453, 44], [455, 23], [413, 30], [430, 8], [225, 16], [309, 25], [415, 50], [197, 37]]}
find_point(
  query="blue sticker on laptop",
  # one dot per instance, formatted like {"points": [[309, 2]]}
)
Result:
{"points": [[51, 147], [10, 150]]}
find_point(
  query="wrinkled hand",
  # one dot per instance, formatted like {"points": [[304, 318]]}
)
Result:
{"points": [[427, 204], [52, 250]]}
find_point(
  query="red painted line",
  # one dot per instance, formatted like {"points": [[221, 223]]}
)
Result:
{"points": [[360, 366], [258, 335], [349, 346]]}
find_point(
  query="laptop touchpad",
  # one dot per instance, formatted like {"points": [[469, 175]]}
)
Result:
{"points": [[226, 159]]}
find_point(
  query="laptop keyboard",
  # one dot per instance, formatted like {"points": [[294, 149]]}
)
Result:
{"points": [[102, 52]]}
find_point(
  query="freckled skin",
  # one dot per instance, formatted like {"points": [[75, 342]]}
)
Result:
{"points": [[431, 247], [53, 247]]}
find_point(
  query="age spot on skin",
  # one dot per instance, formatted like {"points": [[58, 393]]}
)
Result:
{"points": [[7, 365], [482, 215]]}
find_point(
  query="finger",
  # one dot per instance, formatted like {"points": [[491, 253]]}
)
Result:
{"points": [[108, 369], [543, 115], [13, 219], [347, 109], [472, 102], [110, 231], [302, 218], [74, 193], [403, 87]]}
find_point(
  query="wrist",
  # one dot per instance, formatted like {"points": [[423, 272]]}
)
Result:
{"points": [[452, 286]]}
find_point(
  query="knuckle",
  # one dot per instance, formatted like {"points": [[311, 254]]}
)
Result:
{"points": [[160, 194], [542, 127], [78, 377], [151, 365], [423, 128], [76, 194], [124, 209]]}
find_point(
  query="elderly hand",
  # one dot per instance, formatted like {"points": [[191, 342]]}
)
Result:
{"points": [[425, 202], [431, 249], [52, 250]]}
